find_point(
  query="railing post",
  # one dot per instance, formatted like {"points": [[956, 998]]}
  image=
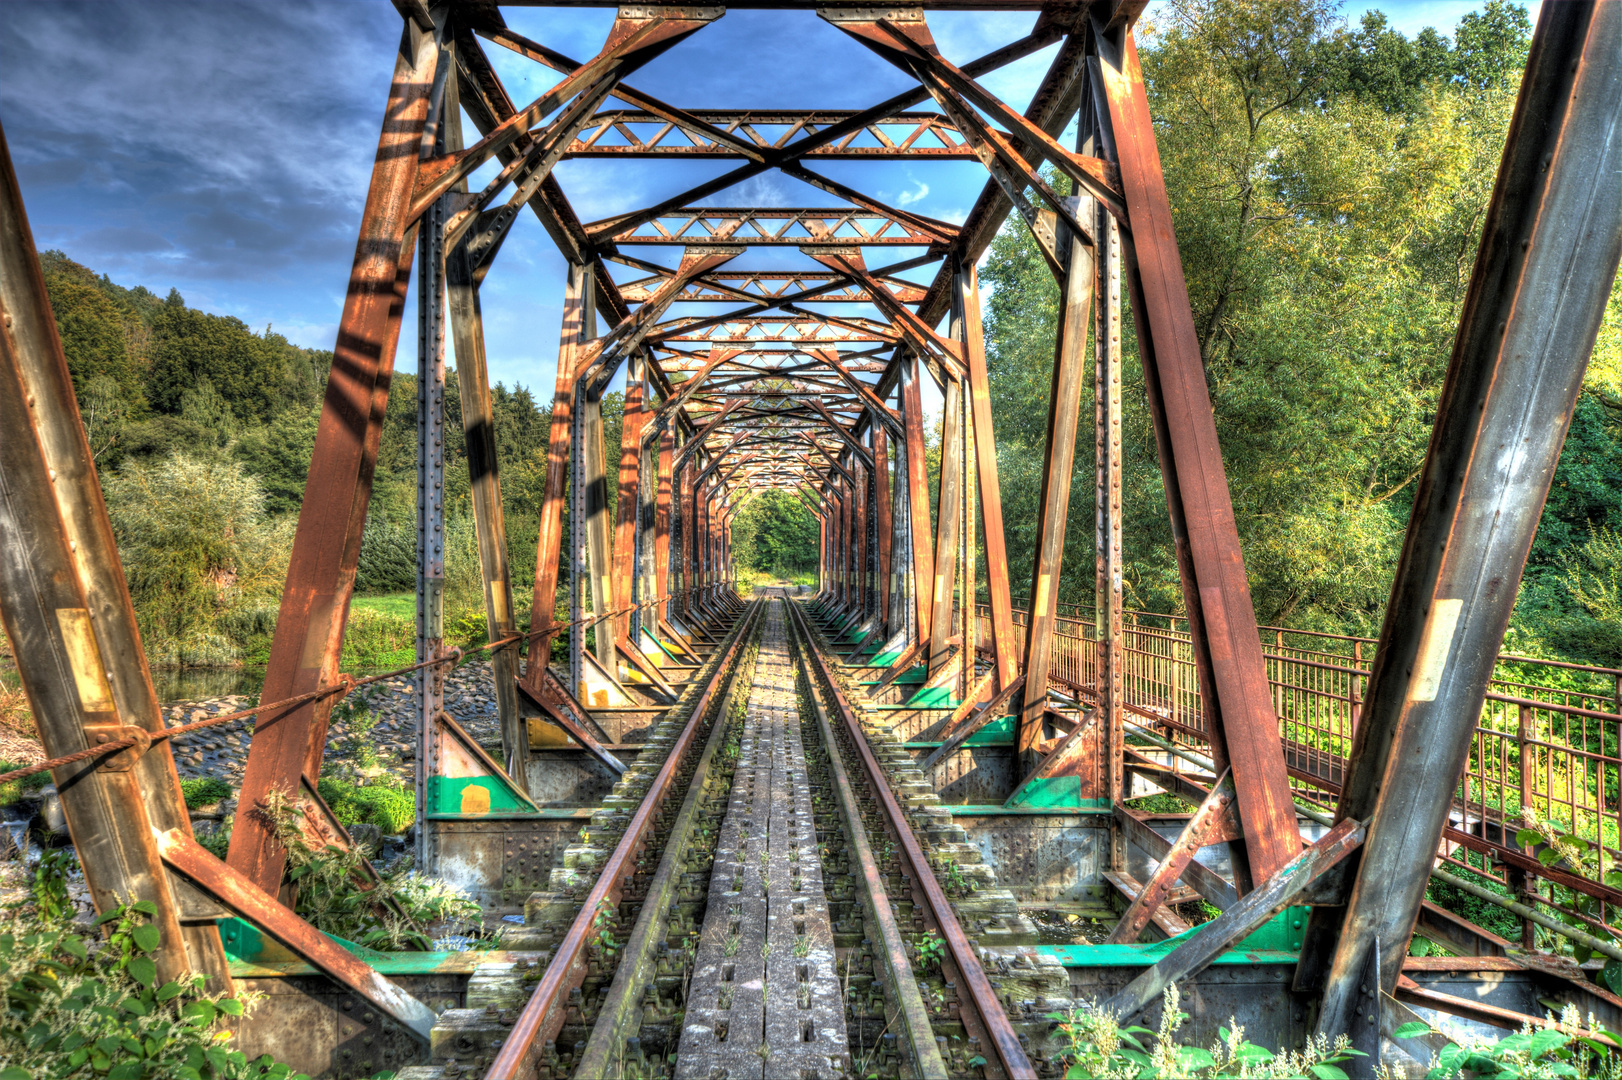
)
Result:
{"points": [[1525, 885]]}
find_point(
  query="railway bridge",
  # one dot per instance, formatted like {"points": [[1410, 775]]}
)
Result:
{"points": [[784, 835]]}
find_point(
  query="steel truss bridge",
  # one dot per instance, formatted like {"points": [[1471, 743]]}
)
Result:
{"points": [[798, 363]]}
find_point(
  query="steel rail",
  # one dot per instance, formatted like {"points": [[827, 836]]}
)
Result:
{"points": [[911, 1009], [982, 996], [622, 1003], [543, 1013]]}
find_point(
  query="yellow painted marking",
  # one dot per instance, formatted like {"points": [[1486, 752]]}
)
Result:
{"points": [[545, 733], [84, 656], [498, 601], [1044, 583], [1434, 648], [475, 800]]}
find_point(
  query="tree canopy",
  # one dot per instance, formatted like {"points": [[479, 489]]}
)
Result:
{"points": [[1328, 186]]}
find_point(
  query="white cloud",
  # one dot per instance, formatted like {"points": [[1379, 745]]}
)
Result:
{"points": [[907, 198]]}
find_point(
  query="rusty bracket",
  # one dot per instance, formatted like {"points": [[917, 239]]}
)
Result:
{"points": [[123, 760]]}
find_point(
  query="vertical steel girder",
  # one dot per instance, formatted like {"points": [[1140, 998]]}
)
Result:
{"points": [[598, 528], [66, 608], [579, 325], [923, 555], [886, 539], [967, 284], [1542, 277], [429, 699], [948, 523], [304, 653], [463, 273], [1110, 563], [1053, 507], [1235, 693]]}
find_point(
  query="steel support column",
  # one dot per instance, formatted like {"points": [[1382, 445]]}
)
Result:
{"points": [[967, 283], [923, 556], [948, 521], [629, 505], [1537, 296], [66, 608], [321, 576], [429, 700], [462, 277], [1109, 559], [598, 523], [1235, 693], [886, 540], [1053, 507], [579, 325]]}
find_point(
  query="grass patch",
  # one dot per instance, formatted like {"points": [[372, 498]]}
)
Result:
{"points": [[1162, 802], [374, 637], [13, 790], [390, 809], [204, 791], [400, 605]]}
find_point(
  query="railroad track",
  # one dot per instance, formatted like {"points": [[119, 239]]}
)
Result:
{"points": [[767, 909]]}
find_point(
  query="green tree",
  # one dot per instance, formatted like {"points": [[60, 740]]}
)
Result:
{"points": [[203, 561], [1327, 188], [775, 532], [92, 332], [189, 346]]}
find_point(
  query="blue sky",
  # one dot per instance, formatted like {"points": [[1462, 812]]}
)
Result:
{"points": [[223, 147]]}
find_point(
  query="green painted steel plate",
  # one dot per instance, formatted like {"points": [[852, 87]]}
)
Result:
{"points": [[1277, 941]]}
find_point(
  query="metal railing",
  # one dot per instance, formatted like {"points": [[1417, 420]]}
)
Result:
{"points": [[1549, 741]]}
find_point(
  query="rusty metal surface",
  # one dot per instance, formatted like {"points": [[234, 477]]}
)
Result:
{"points": [[541, 1015], [1211, 823], [67, 611], [1549, 252], [315, 601], [321, 1028], [242, 895], [1011, 1055], [1233, 675]]}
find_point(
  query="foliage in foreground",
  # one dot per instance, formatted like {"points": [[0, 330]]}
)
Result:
{"points": [[1100, 1047], [389, 914], [86, 1006]]}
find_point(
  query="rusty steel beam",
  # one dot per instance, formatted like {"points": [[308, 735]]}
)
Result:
{"points": [[1537, 296], [1109, 555], [579, 324], [1053, 505], [1212, 823], [1211, 939], [66, 608], [948, 524], [637, 36], [243, 896], [839, 226], [912, 445], [1222, 620], [315, 601], [463, 273], [628, 506]]}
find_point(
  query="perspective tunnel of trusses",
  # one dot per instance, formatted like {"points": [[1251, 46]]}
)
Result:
{"points": [[813, 833]]}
